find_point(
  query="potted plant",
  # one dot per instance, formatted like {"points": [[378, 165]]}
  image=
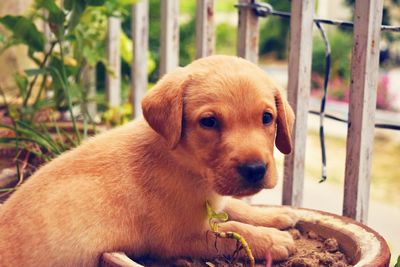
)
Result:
{"points": [[361, 244]]}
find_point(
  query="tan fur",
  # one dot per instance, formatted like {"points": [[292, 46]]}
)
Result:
{"points": [[141, 188]]}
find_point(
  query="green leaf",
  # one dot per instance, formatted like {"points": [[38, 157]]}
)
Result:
{"points": [[42, 139], [95, 2], [34, 72], [56, 15], [214, 216], [78, 7], [49, 5], [213, 226], [126, 2], [222, 216], [57, 19], [27, 133], [398, 262], [126, 48], [55, 65], [68, 4], [24, 31], [210, 211], [22, 83]]}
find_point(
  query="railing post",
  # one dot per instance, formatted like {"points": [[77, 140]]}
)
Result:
{"points": [[248, 33], [169, 36], [301, 24], [88, 78], [360, 134], [113, 80], [205, 39], [46, 32], [140, 37]]}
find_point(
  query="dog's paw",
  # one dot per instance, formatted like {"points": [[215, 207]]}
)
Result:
{"points": [[281, 218], [281, 244], [284, 218]]}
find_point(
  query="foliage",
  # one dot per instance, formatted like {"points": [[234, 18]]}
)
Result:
{"points": [[341, 49], [274, 32], [398, 262], [341, 45], [225, 38], [118, 115], [55, 85], [225, 34], [76, 40], [339, 90], [389, 17], [24, 32], [214, 218], [187, 37], [154, 36]]}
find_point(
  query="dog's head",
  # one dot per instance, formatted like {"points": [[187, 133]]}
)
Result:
{"points": [[223, 115]]}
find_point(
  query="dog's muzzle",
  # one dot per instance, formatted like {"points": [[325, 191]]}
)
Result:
{"points": [[252, 172]]}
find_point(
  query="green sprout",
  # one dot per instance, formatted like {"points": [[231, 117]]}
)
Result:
{"points": [[215, 218], [398, 262]]}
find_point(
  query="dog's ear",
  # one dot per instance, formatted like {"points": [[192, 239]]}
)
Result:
{"points": [[163, 106], [285, 121]]}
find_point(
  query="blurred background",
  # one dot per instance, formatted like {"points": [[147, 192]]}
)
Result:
{"points": [[35, 105]]}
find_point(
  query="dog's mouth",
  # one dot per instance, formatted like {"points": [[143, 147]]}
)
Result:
{"points": [[236, 187], [248, 191]]}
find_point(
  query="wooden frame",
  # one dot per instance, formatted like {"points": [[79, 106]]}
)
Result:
{"points": [[113, 80], [169, 36], [301, 24], [363, 88], [248, 33], [205, 39], [368, 15], [140, 33]]}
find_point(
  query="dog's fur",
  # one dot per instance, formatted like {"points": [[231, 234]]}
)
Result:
{"points": [[141, 188]]}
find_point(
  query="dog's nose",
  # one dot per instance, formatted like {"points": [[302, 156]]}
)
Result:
{"points": [[253, 172]]}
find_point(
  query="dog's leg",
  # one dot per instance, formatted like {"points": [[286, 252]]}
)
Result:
{"points": [[278, 217], [261, 240]]}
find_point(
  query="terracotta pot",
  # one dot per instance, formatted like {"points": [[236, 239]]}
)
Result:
{"points": [[362, 245]]}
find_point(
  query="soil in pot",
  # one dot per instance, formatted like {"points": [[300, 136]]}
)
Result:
{"points": [[312, 251]]}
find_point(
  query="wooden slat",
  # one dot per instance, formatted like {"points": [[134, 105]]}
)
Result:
{"points": [[140, 33], [169, 36], [113, 80], [301, 25], [205, 40], [364, 80], [46, 32], [89, 83], [248, 33]]}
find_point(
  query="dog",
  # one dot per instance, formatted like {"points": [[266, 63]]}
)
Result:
{"points": [[207, 133]]}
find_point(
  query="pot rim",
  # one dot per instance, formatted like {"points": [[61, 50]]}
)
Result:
{"points": [[374, 251]]}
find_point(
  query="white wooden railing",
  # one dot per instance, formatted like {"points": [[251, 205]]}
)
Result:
{"points": [[364, 68]]}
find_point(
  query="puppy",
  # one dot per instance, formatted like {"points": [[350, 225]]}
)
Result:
{"points": [[208, 133]]}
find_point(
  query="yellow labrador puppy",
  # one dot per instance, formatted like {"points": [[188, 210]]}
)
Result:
{"points": [[208, 133]]}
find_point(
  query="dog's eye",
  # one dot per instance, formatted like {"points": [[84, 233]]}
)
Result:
{"points": [[267, 118], [209, 122]]}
